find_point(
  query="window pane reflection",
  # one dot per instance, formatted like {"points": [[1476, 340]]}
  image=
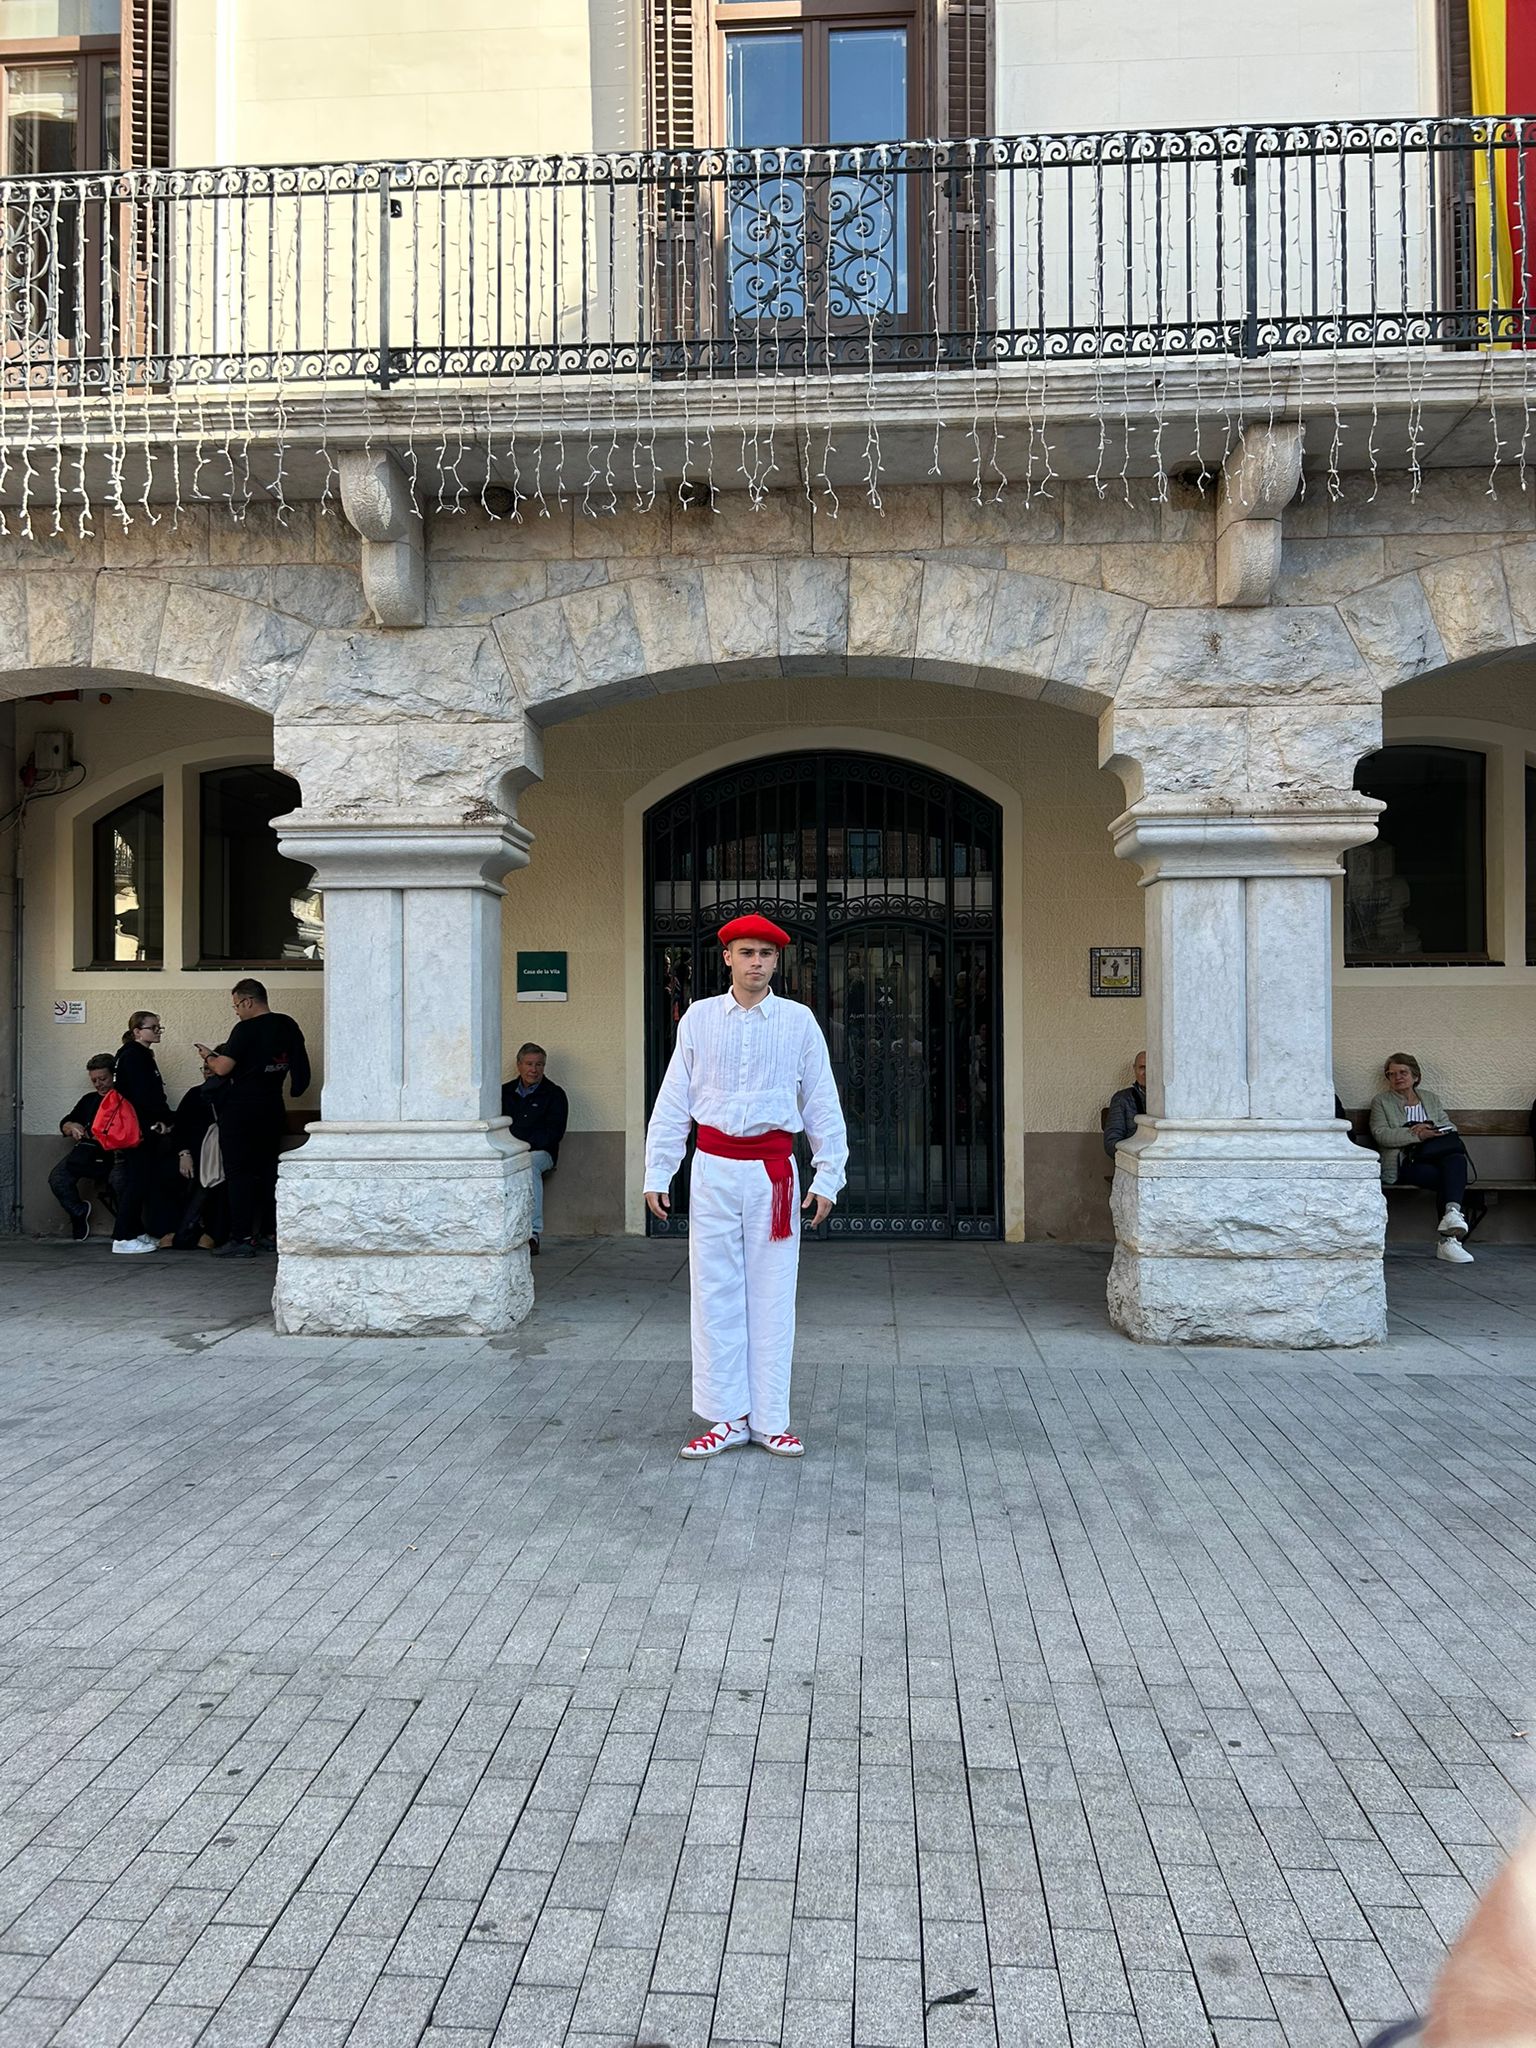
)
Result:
{"points": [[34, 19], [258, 907], [1415, 894], [42, 119], [128, 884]]}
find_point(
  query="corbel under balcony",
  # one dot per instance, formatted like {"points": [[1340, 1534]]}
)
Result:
{"points": [[377, 499]]}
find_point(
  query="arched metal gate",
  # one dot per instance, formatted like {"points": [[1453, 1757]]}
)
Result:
{"points": [[888, 878]]}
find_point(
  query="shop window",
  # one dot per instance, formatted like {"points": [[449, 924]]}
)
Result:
{"points": [[1416, 896], [128, 884], [256, 907]]}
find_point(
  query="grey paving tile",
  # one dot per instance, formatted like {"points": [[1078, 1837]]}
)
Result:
{"points": [[1174, 1685]]}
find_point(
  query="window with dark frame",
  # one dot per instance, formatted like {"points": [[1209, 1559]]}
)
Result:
{"points": [[85, 86], [828, 253], [1416, 896], [256, 908], [128, 884]]}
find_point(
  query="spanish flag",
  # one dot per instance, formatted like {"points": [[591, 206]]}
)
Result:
{"points": [[1503, 40]]}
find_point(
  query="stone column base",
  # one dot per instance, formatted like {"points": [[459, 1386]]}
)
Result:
{"points": [[404, 1231], [1248, 1233]]}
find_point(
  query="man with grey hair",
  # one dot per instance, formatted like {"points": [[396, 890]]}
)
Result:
{"points": [[538, 1110]]}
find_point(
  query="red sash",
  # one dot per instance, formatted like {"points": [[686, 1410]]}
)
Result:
{"points": [[776, 1150]]}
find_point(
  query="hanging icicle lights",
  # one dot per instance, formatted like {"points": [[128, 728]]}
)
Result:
{"points": [[605, 329]]}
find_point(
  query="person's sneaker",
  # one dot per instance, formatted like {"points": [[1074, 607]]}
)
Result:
{"points": [[129, 1246], [1454, 1252], [237, 1248], [80, 1226], [533, 1247], [781, 1444], [1453, 1223], [724, 1436]]}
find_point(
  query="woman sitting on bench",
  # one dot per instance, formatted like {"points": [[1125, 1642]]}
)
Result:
{"points": [[1419, 1147]]}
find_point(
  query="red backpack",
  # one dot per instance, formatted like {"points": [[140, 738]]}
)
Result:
{"points": [[115, 1126]]}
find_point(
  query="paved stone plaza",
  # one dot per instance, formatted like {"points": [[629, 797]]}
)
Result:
{"points": [[384, 1693]]}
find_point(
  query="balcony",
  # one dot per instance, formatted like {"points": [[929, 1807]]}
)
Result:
{"points": [[641, 294]]}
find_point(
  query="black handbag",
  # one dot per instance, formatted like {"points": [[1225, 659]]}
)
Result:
{"points": [[1445, 1145]]}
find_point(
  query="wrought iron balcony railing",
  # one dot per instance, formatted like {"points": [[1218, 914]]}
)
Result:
{"points": [[738, 263]]}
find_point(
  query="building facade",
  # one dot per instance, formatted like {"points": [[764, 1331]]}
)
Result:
{"points": [[1081, 583]]}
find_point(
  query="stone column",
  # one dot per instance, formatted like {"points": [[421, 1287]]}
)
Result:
{"points": [[406, 1212], [1243, 1214]]}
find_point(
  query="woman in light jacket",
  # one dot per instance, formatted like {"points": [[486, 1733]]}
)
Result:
{"points": [[1404, 1117]]}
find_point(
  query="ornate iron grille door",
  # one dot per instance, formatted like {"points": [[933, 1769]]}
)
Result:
{"points": [[888, 879]]}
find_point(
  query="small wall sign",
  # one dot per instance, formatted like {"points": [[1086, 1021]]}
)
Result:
{"points": [[1114, 970], [541, 978], [70, 1011]]}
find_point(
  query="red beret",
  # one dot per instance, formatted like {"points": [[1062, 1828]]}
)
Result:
{"points": [[753, 928]]}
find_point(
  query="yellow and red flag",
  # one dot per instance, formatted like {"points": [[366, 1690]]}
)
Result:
{"points": [[1503, 38]]}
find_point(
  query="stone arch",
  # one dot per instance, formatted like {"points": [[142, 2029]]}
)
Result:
{"points": [[1463, 608], [145, 631], [779, 738], [933, 617]]}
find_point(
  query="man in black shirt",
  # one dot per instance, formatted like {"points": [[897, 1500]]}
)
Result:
{"points": [[264, 1050], [85, 1160], [538, 1109]]}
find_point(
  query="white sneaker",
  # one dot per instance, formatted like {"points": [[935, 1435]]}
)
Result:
{"points": [[1454, 1252], [722, 1436], [1453, 1223], [131, 1245]]}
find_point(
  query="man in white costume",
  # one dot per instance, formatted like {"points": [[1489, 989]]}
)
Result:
{"points": [[749, 1069]]}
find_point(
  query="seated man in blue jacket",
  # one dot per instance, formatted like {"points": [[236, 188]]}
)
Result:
{"points": [[538, 1109]]}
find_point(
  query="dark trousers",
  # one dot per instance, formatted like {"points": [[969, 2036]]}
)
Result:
{"points": [[250, 1146], [132, 1171], [1445, 1178], [84, 1161]]}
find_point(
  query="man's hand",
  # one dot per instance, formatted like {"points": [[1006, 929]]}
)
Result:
{"points": [[75, 1131], [660, 1206], [185, 1163], [200, 1049], [822, 1207]]}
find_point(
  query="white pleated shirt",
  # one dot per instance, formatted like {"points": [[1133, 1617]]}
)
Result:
{"points": [[747, 1071]]}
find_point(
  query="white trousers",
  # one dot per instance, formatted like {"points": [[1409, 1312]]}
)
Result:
{"points": [[742, 1286]]}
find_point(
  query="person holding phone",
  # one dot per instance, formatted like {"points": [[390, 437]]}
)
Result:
{"points": [[264, 1053], [1420, 1145]]}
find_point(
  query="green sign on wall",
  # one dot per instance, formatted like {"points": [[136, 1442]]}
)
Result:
{"points": [[541, 978]]}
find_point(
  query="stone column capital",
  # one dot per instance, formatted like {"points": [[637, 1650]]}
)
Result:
{"points": [[382, 853], [1173, 837]]}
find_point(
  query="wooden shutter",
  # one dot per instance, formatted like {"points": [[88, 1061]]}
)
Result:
{"points": [[1457, 167], [965, 97], [674, 83], [962, 76], [146, 84], [671, 115], [1455, 39]]}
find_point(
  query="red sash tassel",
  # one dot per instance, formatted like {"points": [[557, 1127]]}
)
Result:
{"points": [[776, 1151]]}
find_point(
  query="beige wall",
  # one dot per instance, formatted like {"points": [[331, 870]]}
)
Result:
{"points": [[139, 735], [1074, 64], [1473, 1028], [1067, 890], [289, 81]]}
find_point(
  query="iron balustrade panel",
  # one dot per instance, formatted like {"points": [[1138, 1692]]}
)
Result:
{"points": [[749, 262], [886, 876]]}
